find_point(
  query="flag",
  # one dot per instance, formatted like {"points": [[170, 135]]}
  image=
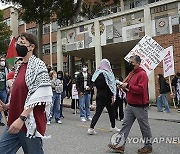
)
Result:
{"points": [[11, 52]]}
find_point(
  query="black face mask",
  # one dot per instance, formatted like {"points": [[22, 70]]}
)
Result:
{"points": [[131, 66], [22, 50]]}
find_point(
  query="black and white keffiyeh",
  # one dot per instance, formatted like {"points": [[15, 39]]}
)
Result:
{"points": [[39, 91]]}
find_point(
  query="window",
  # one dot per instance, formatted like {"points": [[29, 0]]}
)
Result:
{"points": [[32, 31], [21, 22], [7, 21], [54, 26], [46, 28], [54, 47], [46, 49]]}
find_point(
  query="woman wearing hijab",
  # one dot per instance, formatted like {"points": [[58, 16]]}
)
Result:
{"points": [[104, 81]]}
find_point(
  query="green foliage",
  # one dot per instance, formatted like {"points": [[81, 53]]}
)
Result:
{"points": [[5, 34]]}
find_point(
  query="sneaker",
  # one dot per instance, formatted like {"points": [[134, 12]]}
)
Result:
{"points": [[145, 150], [178, 110], [116, 149], [59, 122], [83, 119], [91, 131], [89, 118], [166, 111], [48, 123], [115, 129]]}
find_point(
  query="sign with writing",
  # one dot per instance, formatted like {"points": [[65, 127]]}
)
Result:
{"points": [[74, 92], [168, 62], [150, 51]]}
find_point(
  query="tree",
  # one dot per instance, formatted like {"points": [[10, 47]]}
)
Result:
{"points": [[38, 11], [5, 34], [44, 11]]}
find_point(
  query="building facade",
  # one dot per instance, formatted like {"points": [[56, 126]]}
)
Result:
{"points": [[111, 35]]}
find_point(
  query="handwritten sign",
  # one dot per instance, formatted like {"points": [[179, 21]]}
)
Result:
{"points": [[74, 92], [150, 51], [168, 62]]}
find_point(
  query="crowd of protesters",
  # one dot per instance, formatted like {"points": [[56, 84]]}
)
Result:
{"points": [[49, 88]]}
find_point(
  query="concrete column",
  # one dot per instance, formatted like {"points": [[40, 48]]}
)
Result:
{"points": [[59, 51], [148, 31], [98, 48], [123, 69], [50, 40], [122, 5]]}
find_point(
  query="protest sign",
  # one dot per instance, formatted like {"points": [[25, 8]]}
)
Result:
{"points": [[150, 51], [168, 62], [74, 92]]}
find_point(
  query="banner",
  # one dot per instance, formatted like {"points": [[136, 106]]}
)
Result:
{"points": [[150, 51], [74, 92], [168, 62]]}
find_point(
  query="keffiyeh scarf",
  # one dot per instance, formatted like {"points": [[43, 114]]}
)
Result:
{"points": [[105, 68], [39, 91]]}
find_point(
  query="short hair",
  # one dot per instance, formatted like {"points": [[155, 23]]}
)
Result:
{"points": [[85, 64], [136, 58], [32, 40]]}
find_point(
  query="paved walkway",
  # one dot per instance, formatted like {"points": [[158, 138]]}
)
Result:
{"points": [[174, 116]]}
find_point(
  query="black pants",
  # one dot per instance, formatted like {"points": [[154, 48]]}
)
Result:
{"points": [[100, 104], [68, 91], [119, 105], [73, 104]]}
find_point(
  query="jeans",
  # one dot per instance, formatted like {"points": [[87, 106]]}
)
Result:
{"points": [[61, 104], [10, 143], [84, 102], [162, 99], [55, 109], [3, 97]]}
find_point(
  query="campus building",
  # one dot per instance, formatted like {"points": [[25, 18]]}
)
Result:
{"points": [[111, 35]]}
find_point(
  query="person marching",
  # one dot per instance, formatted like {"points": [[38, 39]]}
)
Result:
{"points": [[136, 108], [104, 81], [31, 96]]}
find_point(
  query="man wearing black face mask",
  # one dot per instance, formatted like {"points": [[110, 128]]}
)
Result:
{"points": [[3, 84], [137, 106], [31, 94]]}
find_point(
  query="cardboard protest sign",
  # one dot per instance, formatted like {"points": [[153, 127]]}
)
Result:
{"points": [[74, 92], [150, 51], [168, 62]]}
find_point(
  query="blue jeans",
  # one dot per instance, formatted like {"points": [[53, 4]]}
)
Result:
{"points": [[84, 102], [3, 97], [10, 143], [55, 109], [162, 99]]}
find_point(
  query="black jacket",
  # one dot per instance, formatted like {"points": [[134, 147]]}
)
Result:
{"points": [[163, 86], [80, 83]]}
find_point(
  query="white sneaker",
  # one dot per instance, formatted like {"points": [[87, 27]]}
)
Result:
{"points": [[83, 119], [59, 122], [48, 123], [89, 118], [91, 131], [115, 129]]}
